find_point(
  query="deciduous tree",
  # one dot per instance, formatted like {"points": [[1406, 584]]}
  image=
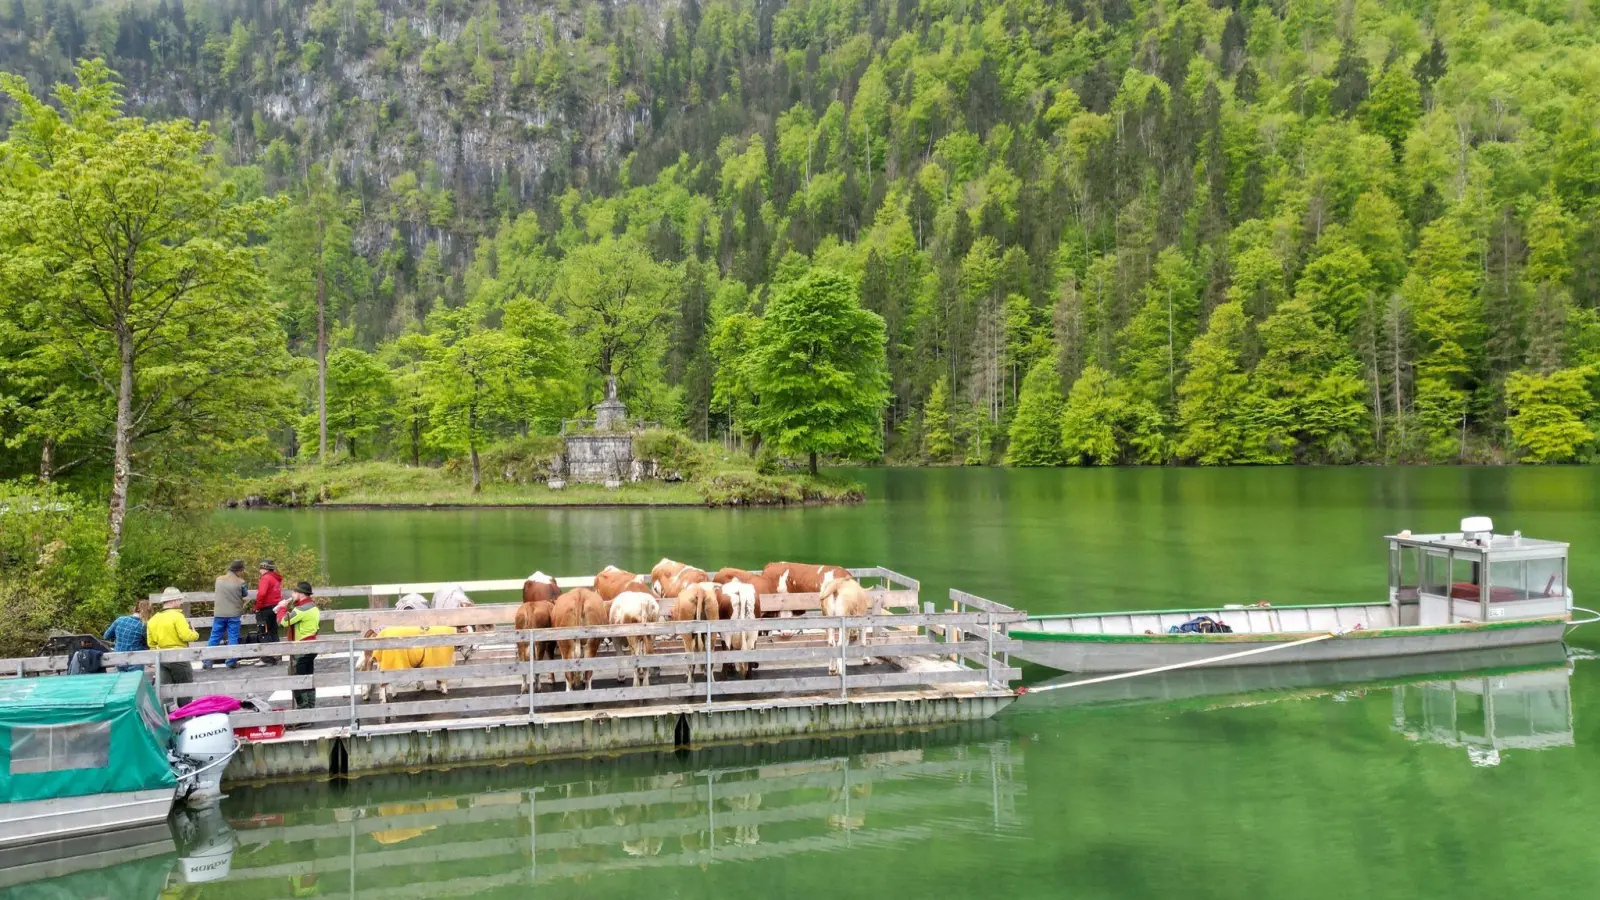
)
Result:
{"points": [[1035, 437], [135, 258], [1547, 413], [819, 368]]}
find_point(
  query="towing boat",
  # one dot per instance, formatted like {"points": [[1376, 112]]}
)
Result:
{"points": [[90, 754], [1467, 590]]}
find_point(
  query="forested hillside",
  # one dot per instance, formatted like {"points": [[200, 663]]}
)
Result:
{"points": [[1096, 231]]}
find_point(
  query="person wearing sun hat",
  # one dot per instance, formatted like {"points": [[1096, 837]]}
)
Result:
{"points": [[169, 630], [304, 618]]}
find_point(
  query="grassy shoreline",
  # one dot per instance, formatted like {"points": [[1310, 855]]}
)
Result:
{"points": [[382, 485]]}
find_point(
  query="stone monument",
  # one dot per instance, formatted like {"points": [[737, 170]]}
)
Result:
{"points": [[605, 454], [610, 414]]}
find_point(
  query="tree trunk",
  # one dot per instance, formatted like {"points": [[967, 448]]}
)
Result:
{"points": [[472, 448], [121, 450], [322, 353], [813, 462], [1399, 414], [47, 461], [416, 442]]}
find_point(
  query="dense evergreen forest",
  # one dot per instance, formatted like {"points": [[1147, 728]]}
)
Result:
{"points": [[1094, 231]]}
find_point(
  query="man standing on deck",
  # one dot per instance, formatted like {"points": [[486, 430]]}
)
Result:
{"points": [[269, 590], [304, 619], [227, 608], [169, 630]]}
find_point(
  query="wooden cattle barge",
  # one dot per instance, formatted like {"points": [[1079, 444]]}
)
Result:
{"points": [[919, 667]]}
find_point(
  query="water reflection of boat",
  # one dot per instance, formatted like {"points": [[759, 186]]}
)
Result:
{"points": [[130, 862], [585, 818], [1489, 713], [1213, 682]]}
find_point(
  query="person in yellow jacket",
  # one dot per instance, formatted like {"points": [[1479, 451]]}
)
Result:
{"points": [[169, 630]]}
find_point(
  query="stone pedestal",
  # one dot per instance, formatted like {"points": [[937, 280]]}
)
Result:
{"points": [[599, 457], [606, 455]]}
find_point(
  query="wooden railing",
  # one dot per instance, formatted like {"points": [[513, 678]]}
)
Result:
{"points": [[966, 646], [382, 596]]}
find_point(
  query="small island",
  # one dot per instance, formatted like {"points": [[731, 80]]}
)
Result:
{"points": [[608, 460]]}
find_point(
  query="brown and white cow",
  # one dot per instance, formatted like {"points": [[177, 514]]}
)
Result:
{"points": [[763, 583], [742, 607], [670, 577], [577, 608], [639, 606], [539, 594], [612, 581], [697, 603], [803, 578], [845, 597]]}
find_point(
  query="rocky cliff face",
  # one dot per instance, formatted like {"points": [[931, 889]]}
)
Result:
{"points": [[443, 115]]}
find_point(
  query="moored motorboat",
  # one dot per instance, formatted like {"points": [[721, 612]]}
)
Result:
{"points": [[1466, 590], [90, 754]]}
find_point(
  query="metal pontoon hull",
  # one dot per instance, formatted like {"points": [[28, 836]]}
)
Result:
{"points": [[66, 817], [1215, 681], [1099, 652]]}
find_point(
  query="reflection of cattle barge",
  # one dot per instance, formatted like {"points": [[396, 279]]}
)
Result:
{"points": [[589, 818], [819, 648], [1467, 590]]}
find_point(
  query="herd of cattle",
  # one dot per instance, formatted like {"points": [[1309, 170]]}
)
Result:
{"points": [[673, 591]]}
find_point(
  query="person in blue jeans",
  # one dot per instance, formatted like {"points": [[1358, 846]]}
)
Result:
{"points": [[226, 609]]}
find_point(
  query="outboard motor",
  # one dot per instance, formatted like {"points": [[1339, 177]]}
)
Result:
{"points": [[203, 746]]}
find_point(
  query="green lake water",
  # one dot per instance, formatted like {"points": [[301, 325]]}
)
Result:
{"points": [[1482, 780]]}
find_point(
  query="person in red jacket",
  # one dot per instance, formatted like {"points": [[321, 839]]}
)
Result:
{"points": [[268, 592]]}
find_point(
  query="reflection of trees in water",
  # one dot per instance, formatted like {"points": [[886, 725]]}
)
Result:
{"points": [[608, 821]]}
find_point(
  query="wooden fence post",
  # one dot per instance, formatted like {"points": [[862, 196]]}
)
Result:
{"points": [[990, 655], [844, 664], [353, 722], [708, 665]]}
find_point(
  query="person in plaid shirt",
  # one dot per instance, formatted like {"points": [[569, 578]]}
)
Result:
{"points": [[127, 633]]}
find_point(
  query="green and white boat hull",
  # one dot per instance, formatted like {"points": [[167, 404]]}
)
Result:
{"points": [[1130, 641]]}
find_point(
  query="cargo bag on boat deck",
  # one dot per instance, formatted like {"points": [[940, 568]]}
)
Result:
{"points": [[80, 735], [1200, 625]]}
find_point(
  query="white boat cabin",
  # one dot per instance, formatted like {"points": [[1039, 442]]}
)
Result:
{"points": [[1475, 575]]}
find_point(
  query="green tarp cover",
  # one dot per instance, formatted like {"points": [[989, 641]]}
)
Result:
{"points": [[76, 735]]}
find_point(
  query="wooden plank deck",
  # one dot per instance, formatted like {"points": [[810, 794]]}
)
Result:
{"points": [[923, 666]]}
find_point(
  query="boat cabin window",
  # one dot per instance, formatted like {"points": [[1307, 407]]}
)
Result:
{"points": [[1547, 577], [1406, 577], [1435, 572], [150, 712], [59, 748], [1508, 580]]}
